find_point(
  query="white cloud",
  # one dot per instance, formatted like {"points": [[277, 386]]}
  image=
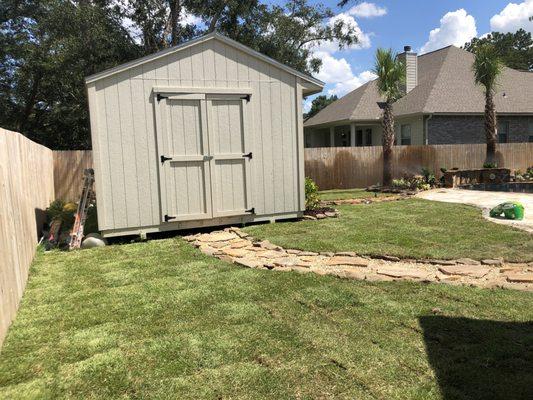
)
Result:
{"points": [[343, 87], [456, 27], [335, 71], [349, 21], [513, 17], [367, 10], [307, 105]]}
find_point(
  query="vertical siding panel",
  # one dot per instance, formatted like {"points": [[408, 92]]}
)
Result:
{"points": [[128, 151], [276, 146], [266, 139], [209, 64], [142, 157], [288, 133], [231, 66], [108, 189], [257, 180], [197, 63], [220, 64], [116, 162], [186, 68], [101, 172], [151, 143]]}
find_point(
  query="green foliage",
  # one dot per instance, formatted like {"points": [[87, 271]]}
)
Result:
{"points": [[514, 49], [487, 67], [319, 103], [58, 209], [490, 165], [391, 74], [312, 199], [47, 48], [429, 177]]}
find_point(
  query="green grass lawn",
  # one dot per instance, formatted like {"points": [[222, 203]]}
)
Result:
{"points": [[407, 228], [161, 320], [341, 194]]}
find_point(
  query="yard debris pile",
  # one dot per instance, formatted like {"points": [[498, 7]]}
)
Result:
{"points": [[235, 246], [367, 200]]}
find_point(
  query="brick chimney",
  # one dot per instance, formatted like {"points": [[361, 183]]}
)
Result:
{"points": [[410, 59]]}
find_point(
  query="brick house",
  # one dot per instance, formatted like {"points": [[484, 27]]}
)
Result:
{"points": [[442, 105]]}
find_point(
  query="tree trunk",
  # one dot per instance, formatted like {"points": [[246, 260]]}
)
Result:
{"points": [[174, 19], [29, 103], [387, 142], [490, 127]]}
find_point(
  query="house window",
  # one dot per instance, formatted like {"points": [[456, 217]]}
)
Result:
{"points": [[530, 126], [503, 131], [359, 138], [342, 136], [530, 139], [368, 134], [405, 135]]}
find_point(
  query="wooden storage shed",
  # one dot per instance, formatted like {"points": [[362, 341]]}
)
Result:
{"points": [[206, 133]]}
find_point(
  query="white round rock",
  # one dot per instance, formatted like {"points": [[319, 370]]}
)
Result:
{"points": [[93, 240]]}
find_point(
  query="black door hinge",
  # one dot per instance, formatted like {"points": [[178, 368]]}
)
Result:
{"points": [[247, 98], [248, 156], [163, 159], [251, 210], [169, 217], [160, 97]]}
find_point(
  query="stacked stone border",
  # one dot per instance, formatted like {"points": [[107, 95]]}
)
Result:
{"points": [[235, 246]]}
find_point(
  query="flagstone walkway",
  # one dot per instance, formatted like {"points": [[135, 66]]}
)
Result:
{"points": [[235, 246]]}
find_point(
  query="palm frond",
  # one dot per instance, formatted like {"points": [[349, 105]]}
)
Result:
{"points": [[391, 74], [487, 67]]}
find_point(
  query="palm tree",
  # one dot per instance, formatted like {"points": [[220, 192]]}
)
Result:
{"points": [[391, 78], [487, 67]]}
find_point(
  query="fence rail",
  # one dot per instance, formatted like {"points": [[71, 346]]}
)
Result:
{"points": [[352, 167], [26, 190]]}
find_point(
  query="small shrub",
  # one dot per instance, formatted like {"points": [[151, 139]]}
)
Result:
{"points": [[490, 165], [429, 177], [312, 199], [401, 183]]}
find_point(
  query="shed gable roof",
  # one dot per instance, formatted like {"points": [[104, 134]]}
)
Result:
{"points": [[445, 85], [202, 39]]}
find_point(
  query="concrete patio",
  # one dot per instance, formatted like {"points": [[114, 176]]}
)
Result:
{"points": [[486, 200]]}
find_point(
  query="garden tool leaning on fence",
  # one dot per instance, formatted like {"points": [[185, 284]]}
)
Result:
{"points": [[83, 206]]}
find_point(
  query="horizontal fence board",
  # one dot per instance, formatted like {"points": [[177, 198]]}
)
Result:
{"points": [[354, 167], [26, 190]]}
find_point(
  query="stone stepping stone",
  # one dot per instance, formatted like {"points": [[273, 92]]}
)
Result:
{"points": [[240, 244], [286, 262], [220, 236], [347, 260], [248, 263], [467, 261], [210, 251], [235, 252], [442, 262], [404, 273], [266, 245], [520, 277], [494, 263], [269, 254], [473, 271]]}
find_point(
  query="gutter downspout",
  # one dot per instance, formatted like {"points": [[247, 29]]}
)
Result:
{"points": [[426, 141]]}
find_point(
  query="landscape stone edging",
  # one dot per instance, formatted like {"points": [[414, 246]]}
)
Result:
{"points": [[235, 246]]}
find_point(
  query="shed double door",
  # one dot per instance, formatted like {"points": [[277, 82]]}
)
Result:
{"points": [[204, 158]]}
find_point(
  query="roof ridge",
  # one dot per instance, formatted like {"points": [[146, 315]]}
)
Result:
{"points": [[367, 84], [441, 67]]}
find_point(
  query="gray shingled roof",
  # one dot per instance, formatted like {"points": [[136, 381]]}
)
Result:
{"points": [[445, 85]]}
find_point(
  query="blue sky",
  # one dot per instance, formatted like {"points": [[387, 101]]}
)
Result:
{"points": [[424, 24]]}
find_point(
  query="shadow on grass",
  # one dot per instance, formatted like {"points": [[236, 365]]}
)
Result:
{"points": [[480, 359]]}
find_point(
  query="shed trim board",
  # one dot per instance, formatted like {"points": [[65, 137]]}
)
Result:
{"points": [[190, 43], [204, 136]]}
